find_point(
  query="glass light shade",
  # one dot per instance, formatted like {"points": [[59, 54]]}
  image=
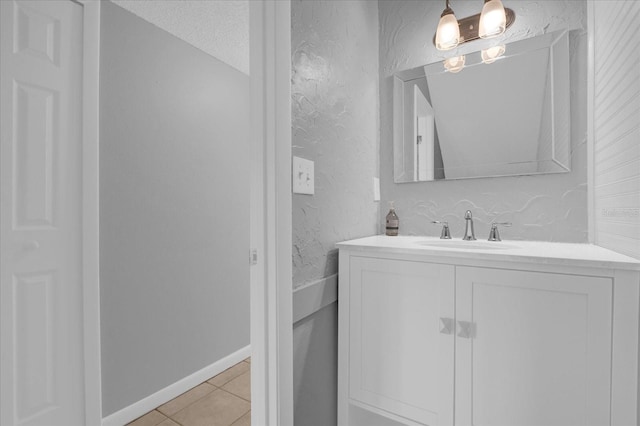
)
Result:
{"points": [[492, 53], [448, 32], [493, 20], [454, 64]]}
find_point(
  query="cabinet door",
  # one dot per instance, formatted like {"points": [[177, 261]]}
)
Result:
{"points": [[532, 348], [401, 338]]}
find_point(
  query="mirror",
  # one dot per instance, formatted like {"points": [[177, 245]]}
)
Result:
{"points": [[506, 116]]}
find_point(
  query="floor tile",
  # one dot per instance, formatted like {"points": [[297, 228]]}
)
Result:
{"points": [[244, 420], [152, 418], [240, 386], [229, 374], [219, 408], [187, 398], [168, 422]]}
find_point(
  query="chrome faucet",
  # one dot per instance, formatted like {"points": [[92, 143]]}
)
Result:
{"points": [[494, 235], [445, 234], [469, 235]]}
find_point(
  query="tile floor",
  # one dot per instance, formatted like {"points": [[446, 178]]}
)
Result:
{"points": [[223, 400]]}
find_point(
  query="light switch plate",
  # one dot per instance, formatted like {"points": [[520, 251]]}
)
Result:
{"points": [[303, 176]]}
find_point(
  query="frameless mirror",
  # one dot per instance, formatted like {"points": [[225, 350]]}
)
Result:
{"points": [[501, 112]]}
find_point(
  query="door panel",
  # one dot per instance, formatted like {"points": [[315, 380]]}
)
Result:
{"points": [[34, 109], [539, 348], [401, 338], [41, 288]]}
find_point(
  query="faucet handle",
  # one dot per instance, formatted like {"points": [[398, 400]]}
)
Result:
{"points": [[445, 234], [494, 235]]}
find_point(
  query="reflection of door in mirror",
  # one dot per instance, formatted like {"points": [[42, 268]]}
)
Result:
{"points": [[424, 136]]}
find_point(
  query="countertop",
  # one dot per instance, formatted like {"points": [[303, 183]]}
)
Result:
{"points": [[538, 252]]}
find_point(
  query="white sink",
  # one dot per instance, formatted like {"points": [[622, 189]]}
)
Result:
{"points": [[467, 245]]}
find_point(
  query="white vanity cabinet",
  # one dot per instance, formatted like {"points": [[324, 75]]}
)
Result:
{"points": [[399, 360], [433, 336], [536, 349]]}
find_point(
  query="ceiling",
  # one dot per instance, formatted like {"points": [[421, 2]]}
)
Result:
{"points": [[217, 27]]}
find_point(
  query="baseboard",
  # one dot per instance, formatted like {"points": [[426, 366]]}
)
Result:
{"points": [[147, 404]]}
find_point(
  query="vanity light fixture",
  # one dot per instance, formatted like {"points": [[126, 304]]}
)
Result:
{"points": [[493, 19], [448, 31], [490, 54], [492, 22], [454, 64]]}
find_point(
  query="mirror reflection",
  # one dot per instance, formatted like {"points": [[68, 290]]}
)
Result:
{"points": [[502, 111]]}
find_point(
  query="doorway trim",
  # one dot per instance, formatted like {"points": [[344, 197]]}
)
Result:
{"points": [[271, 217], [270, 225], [90, 210], [591, 216]]}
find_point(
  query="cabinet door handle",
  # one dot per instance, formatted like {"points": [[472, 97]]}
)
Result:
{"points": [[466, 329], [446, 325]]}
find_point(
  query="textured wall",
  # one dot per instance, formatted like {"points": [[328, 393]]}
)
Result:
{"points": [[174, 281], [617, 126], [547, 207], [334, 123], [219, 28]]}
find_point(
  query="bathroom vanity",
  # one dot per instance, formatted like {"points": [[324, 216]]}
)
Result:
{"points": [[443, 332]]}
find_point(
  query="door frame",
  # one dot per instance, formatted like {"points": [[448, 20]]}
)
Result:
{"points": [[270, 212], [271, 217], [591, 212], [90, 209]]}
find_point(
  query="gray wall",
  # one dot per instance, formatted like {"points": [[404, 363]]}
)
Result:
{"points": [[315, 360], [173, 209], [547, 207], [335, 123]]}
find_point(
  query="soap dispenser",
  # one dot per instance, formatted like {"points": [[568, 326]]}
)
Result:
{"points": [[392, 221]]}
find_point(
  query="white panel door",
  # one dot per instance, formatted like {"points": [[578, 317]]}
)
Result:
{"points": [[532, 348], [401, 338], [41, 289]]}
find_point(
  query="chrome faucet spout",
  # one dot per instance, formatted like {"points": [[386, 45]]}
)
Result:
{"points": [[469, 234]]}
